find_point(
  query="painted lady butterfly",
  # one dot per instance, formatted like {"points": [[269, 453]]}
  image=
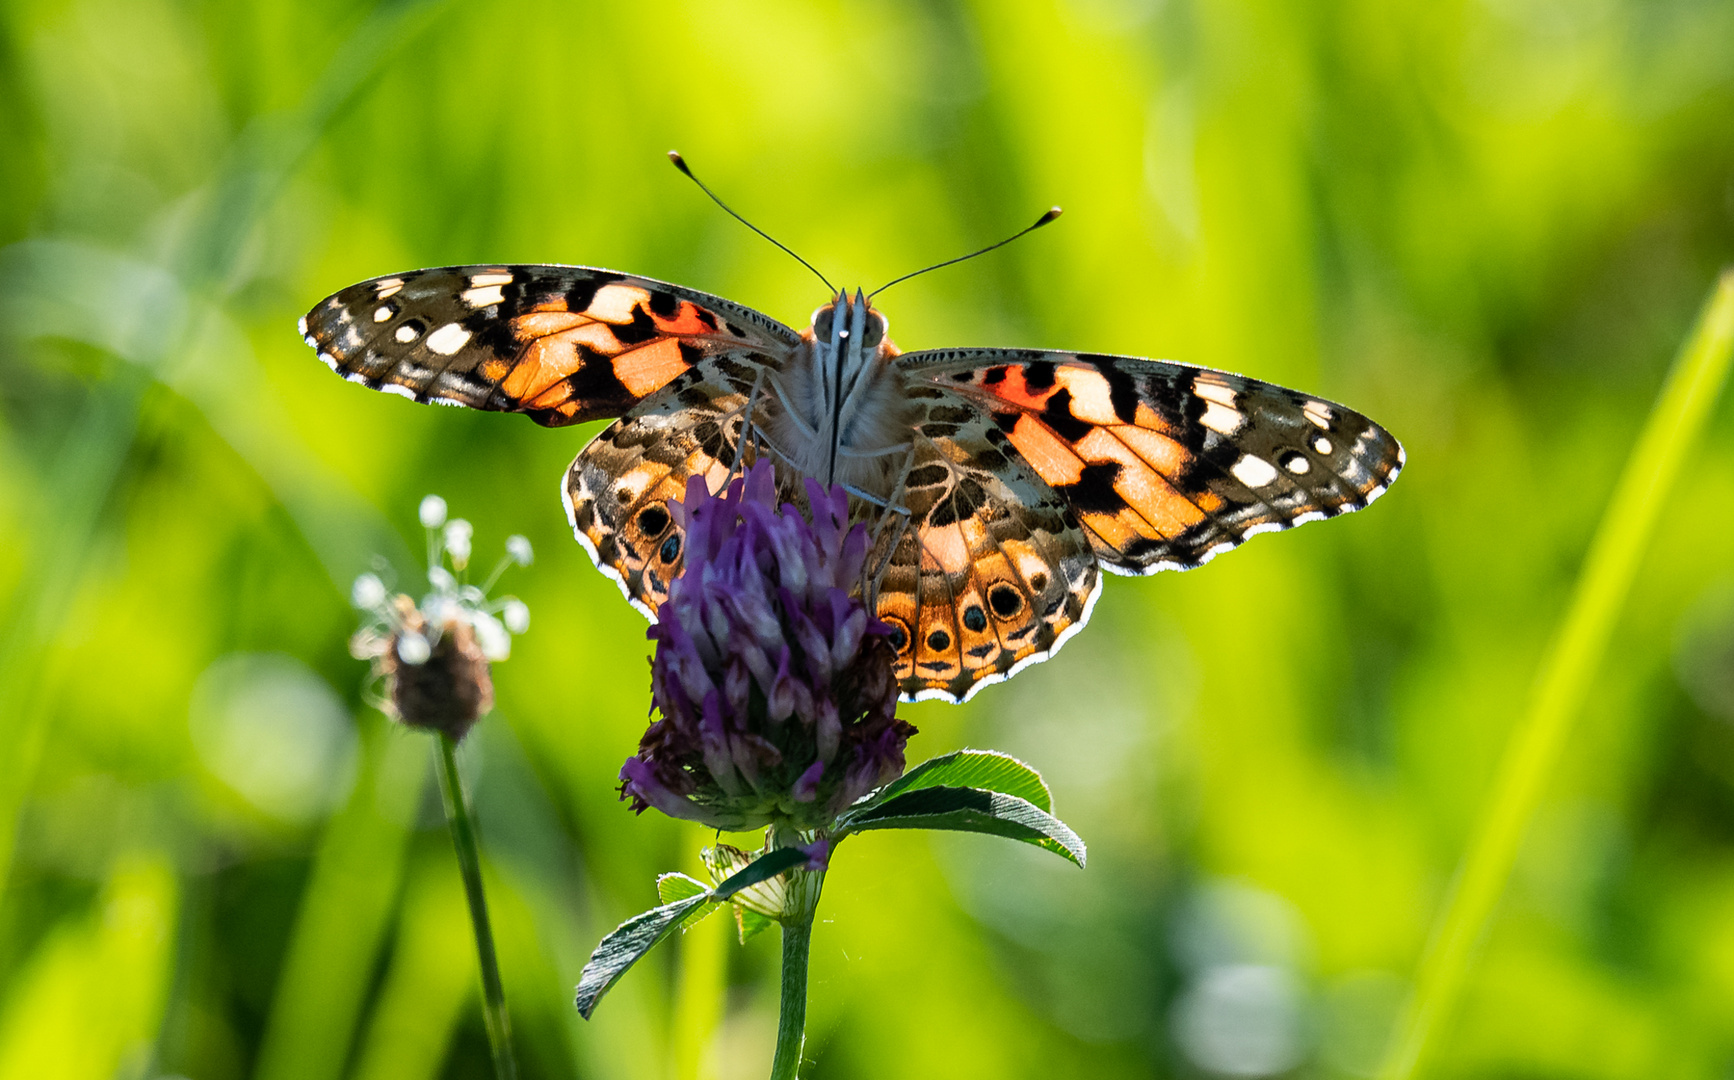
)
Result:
{"points": [[1012, 476]]}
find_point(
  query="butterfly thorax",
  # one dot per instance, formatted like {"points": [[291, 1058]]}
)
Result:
{"points": [[844, 407]]}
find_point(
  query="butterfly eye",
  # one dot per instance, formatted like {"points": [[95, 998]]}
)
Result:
{"points": [[822, 322], [874, 332]]}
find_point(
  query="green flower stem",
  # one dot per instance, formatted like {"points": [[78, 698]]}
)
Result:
{"points": [[1692, 387], [800, 901], [792, 1017], [494, 1016]]}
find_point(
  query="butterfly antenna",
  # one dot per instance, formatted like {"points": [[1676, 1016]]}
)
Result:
{"points": [[1053, 212], [680, 163]]}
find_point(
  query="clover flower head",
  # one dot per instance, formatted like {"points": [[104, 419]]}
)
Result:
{"points": [[773, 680], [434, 655]]}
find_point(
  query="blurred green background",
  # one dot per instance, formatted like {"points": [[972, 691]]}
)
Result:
{"points": [[1486, 223]]}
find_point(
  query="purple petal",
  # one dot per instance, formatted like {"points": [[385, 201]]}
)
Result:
{"points": [[714, 740], [640, 781], [807, 787]]}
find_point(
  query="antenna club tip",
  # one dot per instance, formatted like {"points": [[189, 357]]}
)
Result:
{"points": [[1053, 212], [679, 162]]}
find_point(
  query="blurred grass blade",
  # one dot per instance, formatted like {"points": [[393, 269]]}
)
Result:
{"points": [[1693, 385], [422, 998], [344, 914]]}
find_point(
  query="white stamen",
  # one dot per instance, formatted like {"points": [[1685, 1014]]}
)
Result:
{"points": [[457, 537], [433, 512], [491, 636], [368, 593], [413, 648]]}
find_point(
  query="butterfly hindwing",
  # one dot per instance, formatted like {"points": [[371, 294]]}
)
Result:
{"points": [[619, 490], [990, 570], [562, 343], [1167, 465]]}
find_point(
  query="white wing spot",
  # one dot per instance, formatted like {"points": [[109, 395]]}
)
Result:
{"points": [[386, 288], [1253, 471], [1321, 445], [1219, 417], [1297, 465], [398, 389], [383, 313], [478, 281], [483, 296], [1214, 391], [1319, 413], [448, 339], [406, 334]]}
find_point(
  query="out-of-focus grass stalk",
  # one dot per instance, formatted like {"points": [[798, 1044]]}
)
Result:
{"points": [[1693, 385], [494, 1016], [702, 989], [344, 913]]}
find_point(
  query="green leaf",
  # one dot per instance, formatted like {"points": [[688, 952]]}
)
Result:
{"points": [[751, 923], [673, 887], [766, 866], [622, 948], [767, 897], [985, 770], [972, 810]]}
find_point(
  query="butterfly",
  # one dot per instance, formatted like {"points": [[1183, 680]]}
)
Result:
{"points": [[1006, 480]]}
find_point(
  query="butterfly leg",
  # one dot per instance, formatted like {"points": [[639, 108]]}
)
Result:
{"points": [[749, 431], [902, 517]]}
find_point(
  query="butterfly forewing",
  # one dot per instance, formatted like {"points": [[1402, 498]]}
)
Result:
{"points": [[1167, 465], [562, 343]]}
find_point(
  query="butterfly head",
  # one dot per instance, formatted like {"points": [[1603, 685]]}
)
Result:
{"points": [[851, 327]]}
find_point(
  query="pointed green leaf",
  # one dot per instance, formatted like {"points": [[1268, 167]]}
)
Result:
{"points": [[622, 948], [672, 887], [985, 770], [972, 810]]}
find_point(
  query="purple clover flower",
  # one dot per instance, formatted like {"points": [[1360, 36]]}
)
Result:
{"points": [[774, 682]]}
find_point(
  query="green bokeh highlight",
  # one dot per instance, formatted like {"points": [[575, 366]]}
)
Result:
{"points": [[1487, 224]]}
